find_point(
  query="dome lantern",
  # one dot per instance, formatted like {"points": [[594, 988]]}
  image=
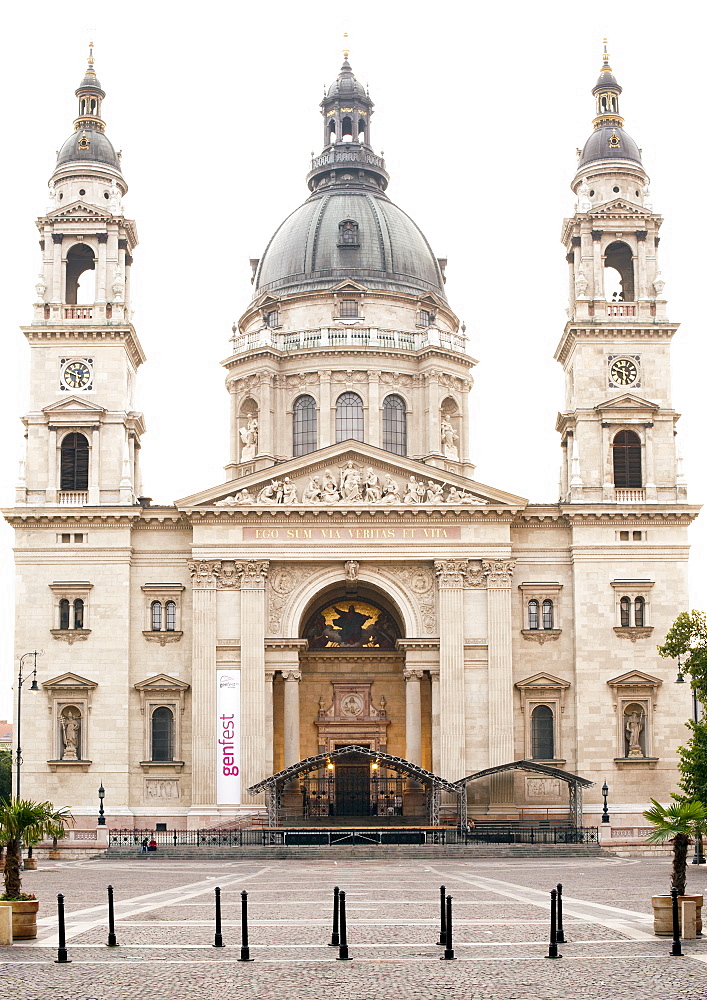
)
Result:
{"points": [[608, 141]]}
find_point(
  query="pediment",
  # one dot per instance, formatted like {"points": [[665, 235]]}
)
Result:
{"points": [[619, 207], [348, 285], [635, 678], [161, 682], [430, 299], [77, 211], [267, 300], [69, 681], [542, 680], [627, 401], [73, 405], [394, 474]]}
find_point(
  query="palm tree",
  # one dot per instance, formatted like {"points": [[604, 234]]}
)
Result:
{"points": [[677, 822], [22, 820]]}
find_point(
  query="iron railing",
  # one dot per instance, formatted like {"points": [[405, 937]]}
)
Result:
{"points": [[490, 833]]}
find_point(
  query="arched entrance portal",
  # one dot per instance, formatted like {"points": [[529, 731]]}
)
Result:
{"points": [[322, 788]]}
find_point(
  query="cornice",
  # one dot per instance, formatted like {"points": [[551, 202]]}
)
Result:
{"points": [[38, 335], [138, 517], [316, 515], [348, 350], [602, 329]]}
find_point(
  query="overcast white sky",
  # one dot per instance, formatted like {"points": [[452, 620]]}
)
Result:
{"points": [[479, 110]]}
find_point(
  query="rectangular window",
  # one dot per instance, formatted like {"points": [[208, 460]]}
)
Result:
{"points": [[425, 317], [66, 539], [623, 536], [273, 318], [637, 536], [348, 308]]}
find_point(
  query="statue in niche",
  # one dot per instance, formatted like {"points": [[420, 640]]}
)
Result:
{"points": [[249, 437], [115, 205], [70, 733], [634, 727], [51, 205], [581, 284], [118, 285], [449, 439], [583, 203], [658, 285], [40, 287]]}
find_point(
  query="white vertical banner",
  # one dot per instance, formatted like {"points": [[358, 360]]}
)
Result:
{"points": [[228, 737]]}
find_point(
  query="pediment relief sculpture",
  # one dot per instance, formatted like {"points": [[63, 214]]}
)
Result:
{"points": [[352, 484]]}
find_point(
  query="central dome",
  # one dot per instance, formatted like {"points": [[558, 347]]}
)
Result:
{"points": [[387, 250]]}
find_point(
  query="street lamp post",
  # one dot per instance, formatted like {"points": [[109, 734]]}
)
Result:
{"points": [[101, 796], [605, 817], [33, 687]]}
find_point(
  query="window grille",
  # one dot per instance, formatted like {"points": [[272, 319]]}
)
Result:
{"points": [[533, 614], [548, 616], [162, 734], [542, 733], [348, 308], [170, 616], [625, 612], [156, 616]]}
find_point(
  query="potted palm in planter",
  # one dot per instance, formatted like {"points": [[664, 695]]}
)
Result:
{"points": [[22, 820], [676, 823]]}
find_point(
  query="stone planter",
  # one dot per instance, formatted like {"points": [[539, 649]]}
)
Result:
{"points": [[30, 864], [663, 914], [24, 917]]}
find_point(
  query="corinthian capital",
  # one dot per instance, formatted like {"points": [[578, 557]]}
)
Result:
{"points": [[451, 572], [498, 572], [252, 573], [205, 573]]}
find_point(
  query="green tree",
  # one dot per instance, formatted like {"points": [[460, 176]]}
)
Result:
{"points": [[677, 822], [22, 820], [5, 774], [693, 764], [687, 639]]}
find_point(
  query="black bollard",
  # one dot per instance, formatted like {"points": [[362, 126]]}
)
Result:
{"points": [[553, 952], [442, 918], [448, 943], [334, 943], [676, 951], [343, 943], [560, 928], [218, 938], [245, 950], [112, 943], [62, 957]]}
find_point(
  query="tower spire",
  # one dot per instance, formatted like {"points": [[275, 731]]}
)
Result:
{"points": [[90, 95]]}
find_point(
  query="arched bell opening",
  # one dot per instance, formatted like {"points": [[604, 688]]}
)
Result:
{"points": [[619, 281], [80, 275]]}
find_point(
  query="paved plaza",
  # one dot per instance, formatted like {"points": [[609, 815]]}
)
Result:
{"points": [[165, 931]]}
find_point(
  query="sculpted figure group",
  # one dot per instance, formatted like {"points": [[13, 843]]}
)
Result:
{"points": [[352, 486]]}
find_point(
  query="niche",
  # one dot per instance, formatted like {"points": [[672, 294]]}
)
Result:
{"points": [[248, 429]]}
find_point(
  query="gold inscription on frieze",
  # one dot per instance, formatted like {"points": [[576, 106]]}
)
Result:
{"points": [[392, 533]]}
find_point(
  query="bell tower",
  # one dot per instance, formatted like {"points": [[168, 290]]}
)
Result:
{"points": [[618, 426], [82, 430]]}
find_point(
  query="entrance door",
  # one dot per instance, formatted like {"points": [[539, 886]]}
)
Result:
{"points": [[352, 790]]}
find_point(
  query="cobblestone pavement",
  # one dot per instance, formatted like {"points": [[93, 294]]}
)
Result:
{"points": [[164, 927]]}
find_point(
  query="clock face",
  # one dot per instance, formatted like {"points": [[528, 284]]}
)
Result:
{"points": [[77, 375], [623, 372]]}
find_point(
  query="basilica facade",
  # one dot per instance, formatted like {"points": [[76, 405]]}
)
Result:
{"points": [[349, 582]]}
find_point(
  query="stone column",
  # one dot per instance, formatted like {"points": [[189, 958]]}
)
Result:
{"points": [[324, 429], [434, 697], [266, 443], [253, 727], [598, 266], [205, 575], [450, 580], [235, 437], [101, 283], [269, 756], [57, 270], [291, 719], [649, 471], [94, 469], [413, 716], [373, 430], [434, 441], [53, 477], [606, 467], [498, 573]]}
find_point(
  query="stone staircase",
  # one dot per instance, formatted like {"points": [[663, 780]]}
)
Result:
{"points": [[365, 852]]}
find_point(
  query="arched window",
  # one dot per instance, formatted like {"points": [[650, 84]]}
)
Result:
{"points": [[74, 462], [63, 614], [625, 612], [548, 615], [533, 614], [627, 460], [170, 612], [619, 258], [639, 612], [349, 417], [346, 129], [79, 259], [156, 616], [304, 426], [542, 733], [395, 425], [78, 613], [162, 734]]}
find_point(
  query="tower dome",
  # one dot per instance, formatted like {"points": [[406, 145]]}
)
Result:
{"points": [[348, 227], [608, 141]]}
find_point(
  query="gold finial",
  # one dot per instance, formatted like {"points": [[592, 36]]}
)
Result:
{"points": [[606, 54], [91, 60], [346, 45]]}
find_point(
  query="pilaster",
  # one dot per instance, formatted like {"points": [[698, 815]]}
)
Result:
{"points": [[499, 573], [291, 716], [252, 575], [413, 716], [450, 594], [205, 576]]}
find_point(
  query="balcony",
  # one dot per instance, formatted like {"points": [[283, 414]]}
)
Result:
{"points": [[642, 310], [100, 313], [348, 337], [73, 498], [629, 496]]}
